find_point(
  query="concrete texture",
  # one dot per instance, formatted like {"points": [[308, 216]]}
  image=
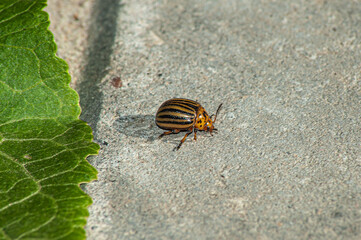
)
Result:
{"points": [[286, 163]]}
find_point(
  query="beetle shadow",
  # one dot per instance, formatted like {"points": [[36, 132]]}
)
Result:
{"points": [[143, 126], [138, 126]]}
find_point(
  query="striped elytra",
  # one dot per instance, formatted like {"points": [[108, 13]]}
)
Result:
{"points": [[179, 114]]}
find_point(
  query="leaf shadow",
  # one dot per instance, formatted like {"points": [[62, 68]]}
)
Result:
{"points": [[102, 33]]}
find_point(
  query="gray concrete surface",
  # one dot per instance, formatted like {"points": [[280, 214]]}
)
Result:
{"points": [[286, 163]]}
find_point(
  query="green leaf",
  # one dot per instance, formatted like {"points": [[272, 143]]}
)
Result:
{"points": [[43, 144]]}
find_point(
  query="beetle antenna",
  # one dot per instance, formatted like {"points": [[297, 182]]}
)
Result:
{"points": [[217, 112]]}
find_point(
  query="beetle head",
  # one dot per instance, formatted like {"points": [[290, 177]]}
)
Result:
{"points": [[204, 122]]}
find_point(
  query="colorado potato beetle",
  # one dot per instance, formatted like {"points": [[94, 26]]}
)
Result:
{"points": [[185, 115]]}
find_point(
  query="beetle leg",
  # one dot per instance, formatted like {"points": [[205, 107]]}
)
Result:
{"points": [[182, 141], [195, 134], [214, 129], [175, 131], [165, 133]]}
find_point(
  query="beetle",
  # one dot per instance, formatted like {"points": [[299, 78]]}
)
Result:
{"points": [[180, 114]]}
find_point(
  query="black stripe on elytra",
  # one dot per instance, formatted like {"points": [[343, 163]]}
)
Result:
{"points": [[176, 104], [191, 114], [192, 105], [173, 117], [174, 122], [185, 100]]}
